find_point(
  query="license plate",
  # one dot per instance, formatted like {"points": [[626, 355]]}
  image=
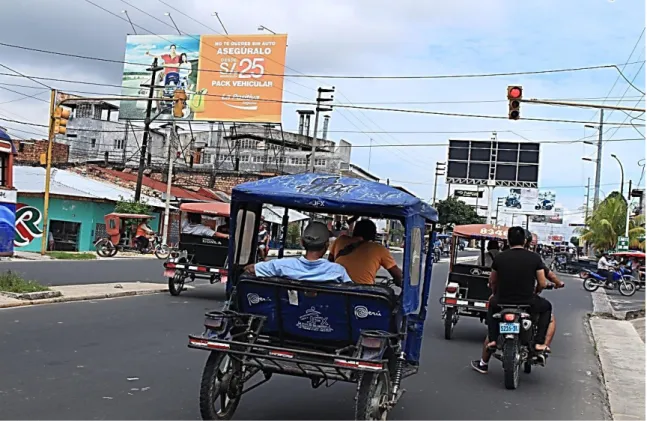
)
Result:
{"points": [[508, 327], [169, 273]]}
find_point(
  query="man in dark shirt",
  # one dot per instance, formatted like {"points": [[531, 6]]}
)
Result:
{"points": [[512, 280]]}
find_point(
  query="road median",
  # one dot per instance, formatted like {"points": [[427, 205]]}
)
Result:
{"points": [[69, 293]]}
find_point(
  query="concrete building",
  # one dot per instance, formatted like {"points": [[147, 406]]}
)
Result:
{"points": [[94, 135], [8, 194], [251, 148]]}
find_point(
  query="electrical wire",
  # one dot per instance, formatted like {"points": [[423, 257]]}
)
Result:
{"points": [[382, 77]]}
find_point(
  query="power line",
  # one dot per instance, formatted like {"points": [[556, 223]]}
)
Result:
{"points": [[382, 77]]}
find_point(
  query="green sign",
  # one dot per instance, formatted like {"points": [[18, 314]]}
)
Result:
{"points": [[623, 244]]}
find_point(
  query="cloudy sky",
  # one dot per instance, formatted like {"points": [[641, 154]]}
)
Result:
{"points": [[376, 37]]}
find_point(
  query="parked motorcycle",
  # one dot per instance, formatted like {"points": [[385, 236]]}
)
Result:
{"points": [[516, 342], [621, 280]]}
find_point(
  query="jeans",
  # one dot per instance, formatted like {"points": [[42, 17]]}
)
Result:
{"points": [[538, 305], [607, 274], [142, 242]]}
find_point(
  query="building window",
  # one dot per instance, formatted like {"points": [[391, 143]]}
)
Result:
{"points": [[244, 158], [119, 144], [93, 142], [72, 135], [3, 169], [320, 162]]}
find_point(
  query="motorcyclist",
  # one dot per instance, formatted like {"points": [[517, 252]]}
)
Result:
{"points": [[513, 282], [605, 267]]}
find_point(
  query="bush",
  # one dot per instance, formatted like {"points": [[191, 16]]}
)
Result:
{"points": [[130, 206], [11, 282]]}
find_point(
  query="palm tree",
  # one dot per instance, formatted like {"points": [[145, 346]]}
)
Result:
{"points": [[608, 222]]}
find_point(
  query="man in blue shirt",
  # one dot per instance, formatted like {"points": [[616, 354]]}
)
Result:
{"points": [[312, 267]]}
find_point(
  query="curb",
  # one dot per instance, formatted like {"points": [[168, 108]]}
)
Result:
{"points": [[83, 298]]}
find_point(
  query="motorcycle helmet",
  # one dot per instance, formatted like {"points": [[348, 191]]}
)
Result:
{"points": [[528, 237]]}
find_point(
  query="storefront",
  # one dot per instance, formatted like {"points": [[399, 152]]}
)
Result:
{"points": [[75, 224]]}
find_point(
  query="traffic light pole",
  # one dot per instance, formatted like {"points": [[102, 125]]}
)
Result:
{"points": [[147, 128], [50, 142]]}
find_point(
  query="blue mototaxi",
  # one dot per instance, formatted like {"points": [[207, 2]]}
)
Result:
{"points": [[325, 332]]}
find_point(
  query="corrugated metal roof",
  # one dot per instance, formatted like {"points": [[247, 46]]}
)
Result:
{"points": [[67, 183]]}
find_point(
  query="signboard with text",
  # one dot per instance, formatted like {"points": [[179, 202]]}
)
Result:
{"points": [[229, 78], [623, 244], [468, 193]]}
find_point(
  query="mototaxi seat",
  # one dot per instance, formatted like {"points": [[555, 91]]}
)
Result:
{"points": [[316, 312]]}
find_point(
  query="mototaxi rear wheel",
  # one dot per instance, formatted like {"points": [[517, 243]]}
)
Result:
{"points": [[372, 396], [176, 283], [221, 387], [449, 322]]}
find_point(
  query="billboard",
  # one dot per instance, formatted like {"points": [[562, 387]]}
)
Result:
{"points": [[509, 164], [555, 217], [230, 78], [530, 201]]}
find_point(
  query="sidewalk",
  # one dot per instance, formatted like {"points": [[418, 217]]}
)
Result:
{"points": [[37, 257], [69, 293], [620, 346]]}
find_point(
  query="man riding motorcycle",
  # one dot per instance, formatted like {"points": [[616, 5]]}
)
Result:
{"points": [[513, 282]]}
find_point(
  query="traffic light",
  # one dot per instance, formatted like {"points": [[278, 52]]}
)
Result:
{"points": [[179, 102], [61, 115], [515, 94]]}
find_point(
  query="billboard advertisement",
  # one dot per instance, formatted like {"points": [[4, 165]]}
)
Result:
{"points": [[530, 201], [230, 78], [554, 217]]}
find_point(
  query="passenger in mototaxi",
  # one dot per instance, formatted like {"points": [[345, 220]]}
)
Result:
{"points": [[309, 268]]}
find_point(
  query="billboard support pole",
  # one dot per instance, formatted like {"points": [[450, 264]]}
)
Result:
{"points": [[172, 150], [147, 128], [490, 198]]}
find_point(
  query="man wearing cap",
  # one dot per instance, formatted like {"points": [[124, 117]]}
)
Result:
{"points": [[312, 267]]}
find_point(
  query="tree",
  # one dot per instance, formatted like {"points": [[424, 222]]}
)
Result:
{"points": [[608, 222], [575, 241], [452, 212], [130, 206]]}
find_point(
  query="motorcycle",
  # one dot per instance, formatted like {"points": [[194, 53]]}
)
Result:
{"points": [[624, 282], [437, 254], [516, 342], [512, 202], [562, 265]]}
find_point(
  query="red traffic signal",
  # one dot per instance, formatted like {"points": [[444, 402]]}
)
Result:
{"points": [[515, 94]]}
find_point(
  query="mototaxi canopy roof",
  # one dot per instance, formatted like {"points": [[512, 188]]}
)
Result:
{"points": [[317, 192], [485, 231], [634, 254], [206, 208]]}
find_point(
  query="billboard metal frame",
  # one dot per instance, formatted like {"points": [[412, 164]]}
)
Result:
{"points": [[493, 166]]}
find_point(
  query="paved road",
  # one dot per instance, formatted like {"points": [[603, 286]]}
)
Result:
{"points": [[73, 272], [73, 361]]}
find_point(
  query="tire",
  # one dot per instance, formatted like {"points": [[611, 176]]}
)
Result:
{"points": [[162, 251], [449, 322], [176, 283], [105, 248], [626, 288], [372, 391], [510, 364], [590, 284], [221, 381], [527, 367]]}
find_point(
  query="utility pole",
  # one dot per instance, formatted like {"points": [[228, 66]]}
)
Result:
{"points": [[440, 170], [50, 141], [172, 148], [388, 222], [598, 163], [586, 208], [628, 211], [318, 110], [147, 128]]}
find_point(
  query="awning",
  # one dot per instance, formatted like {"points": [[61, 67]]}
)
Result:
{"points": [[274, 214]]}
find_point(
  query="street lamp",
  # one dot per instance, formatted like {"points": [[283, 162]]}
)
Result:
{"points": [[586, 158], [622, 175], [265, 28]]}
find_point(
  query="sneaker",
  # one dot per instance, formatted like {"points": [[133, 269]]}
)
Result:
{"points": [[476, 365]]}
